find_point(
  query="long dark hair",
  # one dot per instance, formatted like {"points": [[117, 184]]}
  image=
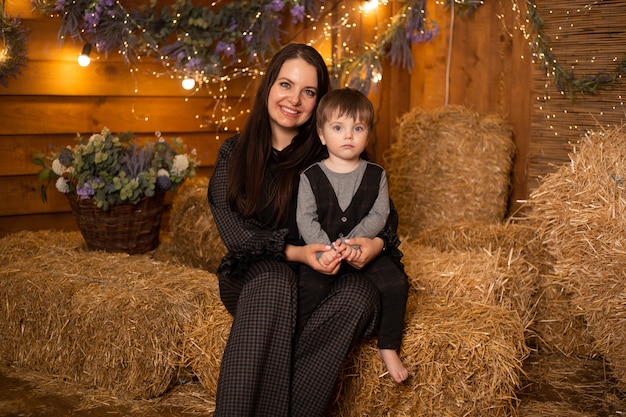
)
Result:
{"points": [[254, 147]]}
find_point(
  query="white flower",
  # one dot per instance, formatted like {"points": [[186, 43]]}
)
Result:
{"points": [[62, 185], [180, 165], [163, 173], [58, 167]]}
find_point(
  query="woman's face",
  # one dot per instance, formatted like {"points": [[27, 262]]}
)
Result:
{"points": [[291, 100]]}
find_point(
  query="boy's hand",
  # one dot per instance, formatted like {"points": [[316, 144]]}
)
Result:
{"points": [[308, 254], [328, 257], [370, 248], [348, 252]]}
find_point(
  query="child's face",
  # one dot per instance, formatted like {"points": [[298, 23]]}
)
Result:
{"points": [[344, 137]]}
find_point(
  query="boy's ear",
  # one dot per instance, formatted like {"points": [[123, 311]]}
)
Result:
{"points": [[320, 134]]}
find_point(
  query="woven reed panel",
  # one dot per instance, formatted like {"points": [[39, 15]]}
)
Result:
{"points": [[586, 37]]}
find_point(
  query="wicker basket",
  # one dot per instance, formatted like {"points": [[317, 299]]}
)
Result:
{"points": [[131, 228]]}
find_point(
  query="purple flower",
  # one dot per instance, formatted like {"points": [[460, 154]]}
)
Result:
{"points": [[228, 49], [101, 45], [111, 188], [193, 64], [66, 158], [91, 19], [275, 6], [163, 182], [85, 191], [297, 14], [60, 6]]}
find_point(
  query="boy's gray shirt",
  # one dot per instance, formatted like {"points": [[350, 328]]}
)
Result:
{"points": [[345, 186]]}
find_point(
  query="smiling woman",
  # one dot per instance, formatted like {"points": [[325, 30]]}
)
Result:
{"points": [[291, 100], [252, 195]]}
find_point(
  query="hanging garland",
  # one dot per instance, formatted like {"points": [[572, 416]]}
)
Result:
{"points": [[207, 42], [566, 82], [13, 49], [410, 25], [464, 8]]}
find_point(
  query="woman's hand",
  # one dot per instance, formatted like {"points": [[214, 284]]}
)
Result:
{"points": [[308, 255], [370, 248]]}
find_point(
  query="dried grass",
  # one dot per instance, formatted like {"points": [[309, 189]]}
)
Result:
{"points": [[507, 236], [496, 276], [194, 239], [580, 213], [448, 166], [548, 409], [463, 341], [558, 385], [559, 327], [464, 359], [109, 320], [187, 398]]}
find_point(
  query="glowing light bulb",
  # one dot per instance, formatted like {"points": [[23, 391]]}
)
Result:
{"points": [[188, 83], [83, 58], [370, 5], [376, 76]]}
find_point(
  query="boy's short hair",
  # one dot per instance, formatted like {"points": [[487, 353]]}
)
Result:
{"points": [[346, 102]]}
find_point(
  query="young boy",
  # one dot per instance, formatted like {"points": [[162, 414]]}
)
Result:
{"points": [[346, 196]]}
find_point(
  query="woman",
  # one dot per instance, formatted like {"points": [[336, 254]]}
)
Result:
{"points": [[266, 370]]}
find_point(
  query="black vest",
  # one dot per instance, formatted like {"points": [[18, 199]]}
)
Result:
{"points": [[336, 222]]}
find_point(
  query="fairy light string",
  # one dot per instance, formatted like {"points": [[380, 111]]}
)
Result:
{"points": [[225, 40], [13, 49]]}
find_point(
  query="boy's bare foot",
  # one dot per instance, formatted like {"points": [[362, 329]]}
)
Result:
{"points": [[394, 365]]}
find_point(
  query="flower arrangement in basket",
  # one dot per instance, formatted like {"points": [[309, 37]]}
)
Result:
{"points": [[116, 187]]}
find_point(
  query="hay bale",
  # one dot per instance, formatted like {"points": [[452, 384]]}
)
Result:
{"points": [[467, 236], [548, 409], [550, 323], [450, 165], [20, 245], [580, 212], [557, 385], [194, 239], [109, 320], [496, 277], [463, 341], [464, 359], [559, 327], [204, 343]]}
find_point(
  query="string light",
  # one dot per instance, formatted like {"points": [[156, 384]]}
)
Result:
{"points": [[188, 83], [84, 59], [369, 6]]}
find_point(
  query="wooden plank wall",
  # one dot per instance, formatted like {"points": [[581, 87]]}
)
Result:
{"points": [[54, 98]]}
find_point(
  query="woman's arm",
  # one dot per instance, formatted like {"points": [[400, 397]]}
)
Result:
{"points": [[241, 236]]}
